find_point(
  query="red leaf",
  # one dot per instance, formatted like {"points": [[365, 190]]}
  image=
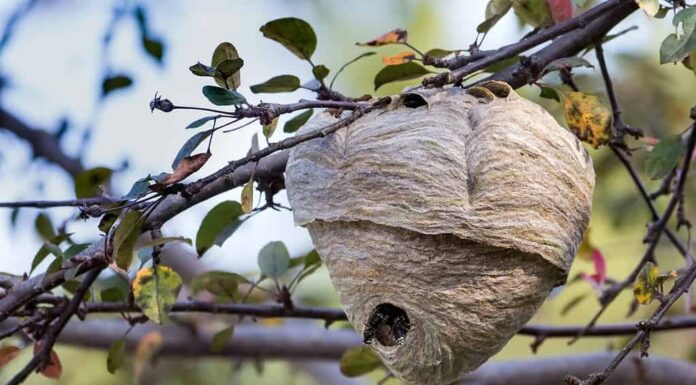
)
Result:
{"points": [[53, 367], [600, 266], [7, 354], [561, 10]]}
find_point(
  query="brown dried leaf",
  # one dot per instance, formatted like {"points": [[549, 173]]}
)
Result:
{"points": [[396, 36], [7, 354], [147, 348], [401, 58], [186, 167]]}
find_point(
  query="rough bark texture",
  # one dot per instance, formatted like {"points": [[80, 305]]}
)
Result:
{"points": [[464, 213]]}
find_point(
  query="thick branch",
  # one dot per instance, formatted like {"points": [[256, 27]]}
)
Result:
{"points": [[42, 143]]}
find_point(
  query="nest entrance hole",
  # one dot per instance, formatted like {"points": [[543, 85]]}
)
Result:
{"points": [[388, 324]]}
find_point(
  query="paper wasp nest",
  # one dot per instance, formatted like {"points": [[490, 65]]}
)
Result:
{"points": [[444, 221]]}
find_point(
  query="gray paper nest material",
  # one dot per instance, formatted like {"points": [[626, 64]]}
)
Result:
{"points": [[462, 213]]}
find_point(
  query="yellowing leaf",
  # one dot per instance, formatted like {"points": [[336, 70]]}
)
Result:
{"points": [[155, 291], [125, 237], [396, 36], [116, 355], [587, 118], [400, 58], [220, 339], [248, 196], [147, 348], [651, 7], [269, 129], [646, 287]]}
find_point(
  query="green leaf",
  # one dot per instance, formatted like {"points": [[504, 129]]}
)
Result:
{"points": [[227, 73], [270, 128], [282, 83], [274, 259], [113, 294], [125, 237], [218, 225], [219, 283], [297, 121], [74, 250], [116, 356], [439, 53], [87, 182], [565, 63], [401, 72], [200, 69], [294, 34], [549, 93], [199, 122], [14, 216], [108, 220], [153, 47], [226, 51], [155, 290], [664, 157], [320, 72], [220, 339], [44, 251], [163, 240], [116, 82], [358, 361], [501, 65], [54, 249], [222, 97], [677, 47], [575, 301], [44, 227], [535, 13], [139, 188], [495, 10], [190, 146]]}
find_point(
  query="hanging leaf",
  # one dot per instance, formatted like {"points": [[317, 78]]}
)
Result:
{"points": [[269, 129], [274, 259], [88, 182], [53, 368], [116, 356], [561, 10], [535, 13], [599, 278], [222, 97], [400, 58], [146, 350], [199, 122], [574, 302], [664, 157], [677, 47], [294, 34], [343, 67], [226, 51], [7, 354], [587, 118], [113, 83], [155, 290], [189, 146], [220, 339], [248, 196], [297, 121], [219, 283], [651, 7], [566, 63], [495, 10], [200, 69], [218, 225], [358, 361], [282, 83], [153, 47], [184, 168], [549, 93], [397, 36], [126, 235], [401, 72], [44, 227], [320, 72]]}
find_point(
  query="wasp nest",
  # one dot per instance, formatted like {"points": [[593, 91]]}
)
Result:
{"points": [[444, 220]]}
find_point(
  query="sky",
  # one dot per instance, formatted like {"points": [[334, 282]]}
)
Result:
{"points": [[54, 65]]}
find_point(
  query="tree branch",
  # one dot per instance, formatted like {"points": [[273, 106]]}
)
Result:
{"points": [[43, 144]]}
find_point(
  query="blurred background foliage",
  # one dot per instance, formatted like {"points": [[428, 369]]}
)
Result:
{"points": [[53, 68]]}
